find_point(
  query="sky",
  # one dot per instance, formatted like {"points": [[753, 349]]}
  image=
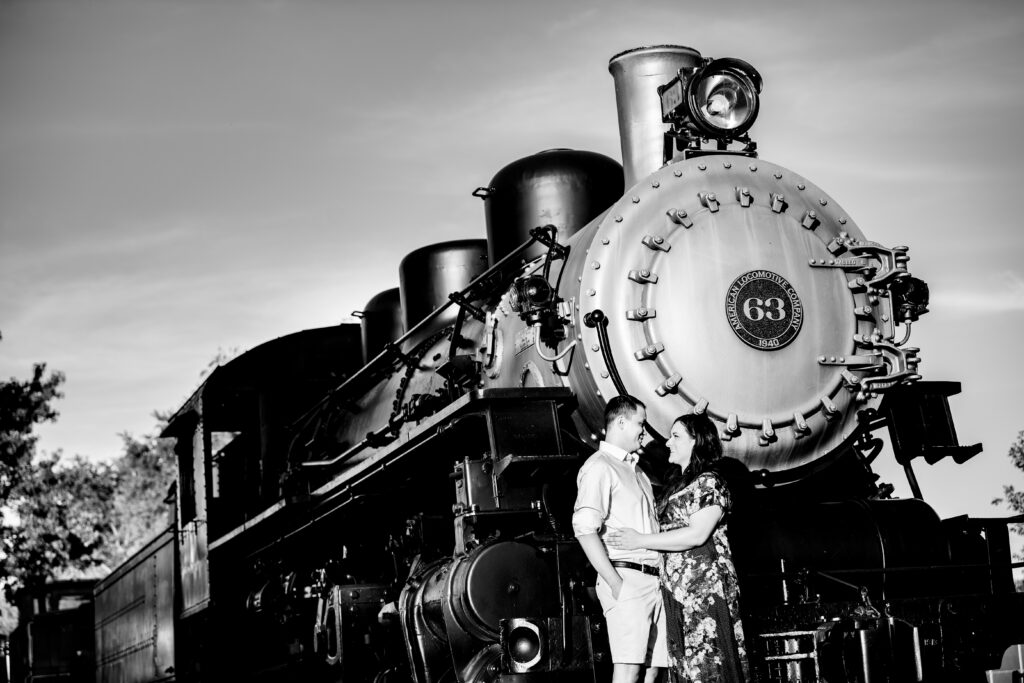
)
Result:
{"points": [[182, 178]]}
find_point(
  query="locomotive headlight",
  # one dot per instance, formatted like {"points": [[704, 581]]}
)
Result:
{"points": [[523, 643], [723, 97]]}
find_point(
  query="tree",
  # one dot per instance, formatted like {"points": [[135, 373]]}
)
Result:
{"points": [[145, 471], [68, 518], [23, 405], [1012, 497], [62, 511]]}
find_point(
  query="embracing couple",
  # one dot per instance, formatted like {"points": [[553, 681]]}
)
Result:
{"points": [[666, 580]]}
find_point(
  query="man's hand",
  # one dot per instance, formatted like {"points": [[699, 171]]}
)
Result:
{"points": [[617, 587]]}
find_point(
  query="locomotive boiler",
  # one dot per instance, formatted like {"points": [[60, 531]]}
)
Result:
{"points": [[391, 501]]}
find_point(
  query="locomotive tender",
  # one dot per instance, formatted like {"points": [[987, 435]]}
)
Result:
{"points": [[390, 501]]}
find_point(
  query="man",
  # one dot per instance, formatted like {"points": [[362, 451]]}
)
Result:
{"points": [[613, 493]]}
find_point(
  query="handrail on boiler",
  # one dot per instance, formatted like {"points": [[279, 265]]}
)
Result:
{"points": [[544, 234]]}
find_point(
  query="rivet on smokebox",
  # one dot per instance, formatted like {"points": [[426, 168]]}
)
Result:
{"points": [[727, 165], [605, 241], [595, 347], [618, 219], [636, 200], [655, 184], [842, 220], [677, 174], [604, 374], [591, 292], [702, 167], [823, 201], [801, 186], [595, 265], [752, 167], [778, 176]]}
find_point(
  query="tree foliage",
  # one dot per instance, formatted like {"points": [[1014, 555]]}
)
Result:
{"points": [[62, 511], [69, 518], [23, 406], [1013, 498]]}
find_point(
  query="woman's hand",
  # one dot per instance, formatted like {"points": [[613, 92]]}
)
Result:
{"points": [[624, 539]]}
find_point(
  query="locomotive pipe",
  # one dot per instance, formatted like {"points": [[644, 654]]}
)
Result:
{"points": [[638, 73], [389, 352]]}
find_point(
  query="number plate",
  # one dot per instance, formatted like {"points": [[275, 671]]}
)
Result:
{"points": [[763, 310]]}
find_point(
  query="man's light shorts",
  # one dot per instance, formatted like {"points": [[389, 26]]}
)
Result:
{"points": [[636, 621]]}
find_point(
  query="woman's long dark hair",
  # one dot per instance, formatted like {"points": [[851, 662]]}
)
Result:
{"points": [[707, 450]]}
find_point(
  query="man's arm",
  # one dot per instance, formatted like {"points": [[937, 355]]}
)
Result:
{"points": [[593, 500], [595, 551]]}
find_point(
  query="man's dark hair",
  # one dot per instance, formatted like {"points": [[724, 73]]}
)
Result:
{"points": [[624, 405]]}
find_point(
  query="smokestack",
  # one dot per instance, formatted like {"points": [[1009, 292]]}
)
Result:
{"points": [[638, 73]]}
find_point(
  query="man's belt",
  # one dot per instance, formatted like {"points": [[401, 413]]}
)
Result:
{"points": [[646, 569]]}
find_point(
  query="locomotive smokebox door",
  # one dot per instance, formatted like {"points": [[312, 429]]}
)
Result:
{"points": [[735, 287]]}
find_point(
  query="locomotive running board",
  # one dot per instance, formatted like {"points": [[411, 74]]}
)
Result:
{"points": [[291, 516]]}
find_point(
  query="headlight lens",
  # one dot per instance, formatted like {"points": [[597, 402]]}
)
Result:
{"points": [[724, 97]]}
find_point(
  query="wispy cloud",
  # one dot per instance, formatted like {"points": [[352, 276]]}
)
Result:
{"points": [[1001, 292]]}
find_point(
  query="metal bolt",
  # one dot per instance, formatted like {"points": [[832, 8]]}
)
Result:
{"points": [[832, 359], [655, 184], [702, 167], [605, 241], [636, 200], [711, 197], [885, 318], [659, 240], [821, 359], [778, 176], [801, 186], [745, 192], [677, 174], [591, 292], [641, 311], [753, 167], [727, 165], [812, 214], [604, 374], [645, 273], [595, 265], [595, 347], [842, 220], [618, 219], [842, 359], [823, 201]]}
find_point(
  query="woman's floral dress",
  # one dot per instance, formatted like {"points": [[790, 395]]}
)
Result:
{"points": [[701, 595]]}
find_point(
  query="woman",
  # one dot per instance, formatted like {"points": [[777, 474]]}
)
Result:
{"points": [[699, 581]]}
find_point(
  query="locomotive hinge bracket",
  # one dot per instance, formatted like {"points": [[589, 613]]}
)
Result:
{"points": [[881, 265]]}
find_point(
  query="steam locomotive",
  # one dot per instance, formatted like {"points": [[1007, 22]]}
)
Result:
{"points": [[390, 501]]}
